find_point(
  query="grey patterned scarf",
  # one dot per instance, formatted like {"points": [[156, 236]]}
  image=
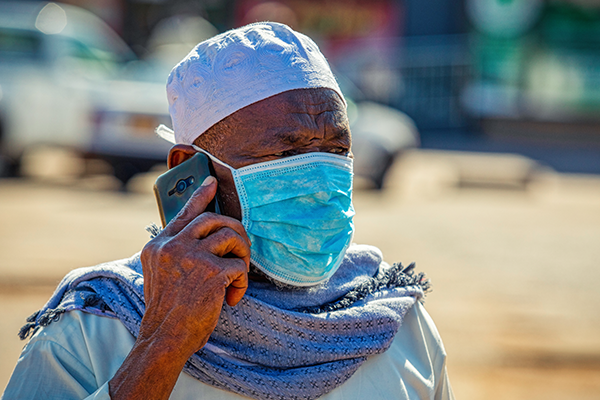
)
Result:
{"points": [[275, 344]]}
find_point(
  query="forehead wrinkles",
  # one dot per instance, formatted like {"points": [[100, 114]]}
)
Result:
{"points": [[313, 102], [319, 110], [316, 111], [291, 110], [286, 115], [314, 108], [302, 128]]}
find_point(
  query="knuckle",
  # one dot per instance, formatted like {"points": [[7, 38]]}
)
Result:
{"points": [[148, 251], [166, 252], [222, 279], [168, 248], [240, 265], [228, 233], [237, 224], [212, 269], [205, 218]]}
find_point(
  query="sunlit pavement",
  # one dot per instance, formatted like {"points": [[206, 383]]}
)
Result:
{"points": [[512, 250]]}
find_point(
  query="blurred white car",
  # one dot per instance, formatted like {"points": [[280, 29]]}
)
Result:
{"points": [[63, 76], [380, 135]]}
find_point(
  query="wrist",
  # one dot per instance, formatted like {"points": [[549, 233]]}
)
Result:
{"points": [[163, 349], [172, 337]]}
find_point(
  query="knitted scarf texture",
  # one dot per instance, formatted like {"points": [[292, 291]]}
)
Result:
{"points": [[275, 343]]}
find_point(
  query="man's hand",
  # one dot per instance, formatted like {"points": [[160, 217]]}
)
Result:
{"points": [[196, 262]]}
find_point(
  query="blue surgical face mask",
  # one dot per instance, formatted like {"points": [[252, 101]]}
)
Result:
{"points": [[298, 214]]}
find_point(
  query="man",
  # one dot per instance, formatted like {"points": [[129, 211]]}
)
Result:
{"points": [[267, 300]]}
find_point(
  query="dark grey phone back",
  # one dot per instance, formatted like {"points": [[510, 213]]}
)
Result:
{"points": [[174, 188]]}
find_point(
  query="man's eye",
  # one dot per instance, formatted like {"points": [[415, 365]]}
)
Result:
{"points": [[285, 153], [289, 153]]}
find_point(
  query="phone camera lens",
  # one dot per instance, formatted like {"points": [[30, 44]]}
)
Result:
{"points": [[190, 181], [181, 186]]}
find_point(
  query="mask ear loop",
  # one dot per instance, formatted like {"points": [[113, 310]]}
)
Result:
{"points": [[213, 158]]}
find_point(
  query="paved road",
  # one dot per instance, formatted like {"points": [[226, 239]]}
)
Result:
{"points": [[512, 252]]}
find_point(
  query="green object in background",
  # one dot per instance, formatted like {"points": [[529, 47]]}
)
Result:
{"points": [[498, 60], [554, 64], [504, 18], [570, 26], [570, 34]]}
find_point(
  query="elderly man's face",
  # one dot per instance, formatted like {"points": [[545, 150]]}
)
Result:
{"points": [[287, 124]]}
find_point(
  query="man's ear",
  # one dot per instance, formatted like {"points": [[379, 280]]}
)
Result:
{"points": [[179, 153]]}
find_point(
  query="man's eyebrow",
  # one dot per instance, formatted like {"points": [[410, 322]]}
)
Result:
{"points": [[290, 136], [294, 136]]}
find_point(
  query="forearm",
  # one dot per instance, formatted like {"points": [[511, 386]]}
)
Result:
{"points": [[150, 371]]}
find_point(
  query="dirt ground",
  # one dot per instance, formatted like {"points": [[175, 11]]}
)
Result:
{"points": [[512, 251]]}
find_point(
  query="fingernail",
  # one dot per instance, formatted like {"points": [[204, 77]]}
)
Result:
{"points": [[209, 180]]}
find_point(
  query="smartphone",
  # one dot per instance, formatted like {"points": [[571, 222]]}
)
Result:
{"points": [[174, 188]]}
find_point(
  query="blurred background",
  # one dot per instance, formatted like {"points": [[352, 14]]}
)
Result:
{"points": [[476, 134]]}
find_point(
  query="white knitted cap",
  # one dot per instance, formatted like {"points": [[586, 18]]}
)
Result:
{"points": [[237, 68]]}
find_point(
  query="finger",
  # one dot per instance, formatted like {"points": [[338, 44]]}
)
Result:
{"points": [[234, 294], [238, 278], [207, 223], [227, 241], [194, 206]]}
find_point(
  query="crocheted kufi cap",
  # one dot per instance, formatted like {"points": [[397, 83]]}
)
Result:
{"points": [[237, 68]]}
